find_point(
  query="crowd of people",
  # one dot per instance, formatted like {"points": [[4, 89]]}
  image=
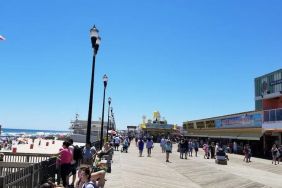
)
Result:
{"points": [[147, 142], [87, 163], [83, 163], [190, 147]]}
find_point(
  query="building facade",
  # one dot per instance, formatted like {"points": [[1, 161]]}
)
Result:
{"points": [[260, 128], [158, 128], [268, 98]]}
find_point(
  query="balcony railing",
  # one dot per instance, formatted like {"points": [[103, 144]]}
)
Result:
{"points": [[272, 115]]}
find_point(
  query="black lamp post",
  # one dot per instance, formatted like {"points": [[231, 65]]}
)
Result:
{"points": [[95, 40], [105, 79], [109, 102], [113, 118]]}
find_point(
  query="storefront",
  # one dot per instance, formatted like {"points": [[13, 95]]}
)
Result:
{"points": [[242, 128], [268, 98], [260, 128]]}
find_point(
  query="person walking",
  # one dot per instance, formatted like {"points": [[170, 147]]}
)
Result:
{"points": [[181, 148], [168, 149], [149, 146], [140, 146], [249, 154], [190, 148], [280, 154], [212, 148], [206, 150], [246, 152], [196, 148], [235, 147], [274, 152], [116, 143], [162, 144]]}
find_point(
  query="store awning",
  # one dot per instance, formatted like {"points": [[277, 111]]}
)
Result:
{"points": [[241, 134], [197, 135], [250, 136]]}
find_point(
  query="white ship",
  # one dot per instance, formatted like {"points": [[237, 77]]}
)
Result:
{"points": [[79, 129]]}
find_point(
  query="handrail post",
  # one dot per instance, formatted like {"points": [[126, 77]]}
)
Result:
{"points": [[32, 176], [2, 184]]}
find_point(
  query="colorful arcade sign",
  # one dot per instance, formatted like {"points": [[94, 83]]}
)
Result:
{"points": [[245, 120]]}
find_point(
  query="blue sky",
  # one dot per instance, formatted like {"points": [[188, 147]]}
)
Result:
{"points": [[186, 59]]}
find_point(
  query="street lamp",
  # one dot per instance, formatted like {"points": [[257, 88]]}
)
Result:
{"points": [[95, 40], [109, 102], [111, 118], [105, 79]]}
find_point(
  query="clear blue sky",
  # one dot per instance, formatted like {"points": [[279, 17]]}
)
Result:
{"points": [[186, 59]]}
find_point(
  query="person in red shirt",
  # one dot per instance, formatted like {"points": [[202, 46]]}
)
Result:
{"points": [[65, 158]]}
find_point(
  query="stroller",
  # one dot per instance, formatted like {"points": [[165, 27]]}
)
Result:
{"points": [[124, 147], [221, 157]]}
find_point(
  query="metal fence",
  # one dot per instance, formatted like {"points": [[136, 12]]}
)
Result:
{"points": [[18, 174]]}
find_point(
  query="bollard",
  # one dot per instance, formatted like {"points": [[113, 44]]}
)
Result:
{"points": [[31, 146]]}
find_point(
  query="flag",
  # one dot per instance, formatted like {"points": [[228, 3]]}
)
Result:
{"points": [[2, 38]]}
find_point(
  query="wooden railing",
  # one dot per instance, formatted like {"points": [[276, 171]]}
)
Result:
{"points": [[26, 174], [26, 157]]}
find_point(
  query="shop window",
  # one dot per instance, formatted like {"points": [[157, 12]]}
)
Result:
{"points": [[279, 114], [266, 116], [200, 125], [210, 124], [272, 115], [190, 125]]}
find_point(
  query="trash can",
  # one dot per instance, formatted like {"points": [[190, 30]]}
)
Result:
{"points": [[53, 142], [14, 150], [31, 146], [47, 143]]}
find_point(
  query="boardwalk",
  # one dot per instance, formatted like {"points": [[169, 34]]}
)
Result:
{"points": [[132, 171]]}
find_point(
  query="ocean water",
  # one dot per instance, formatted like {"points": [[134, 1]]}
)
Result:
{"points": [[33, 132]]}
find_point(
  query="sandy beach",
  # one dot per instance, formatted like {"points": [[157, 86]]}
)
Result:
{"points": [[46, 146]]}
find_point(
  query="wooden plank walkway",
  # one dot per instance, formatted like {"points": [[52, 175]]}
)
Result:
{"points": [[129, 170]]}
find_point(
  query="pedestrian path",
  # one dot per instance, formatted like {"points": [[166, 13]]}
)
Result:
{"points": [[129, 170]]}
